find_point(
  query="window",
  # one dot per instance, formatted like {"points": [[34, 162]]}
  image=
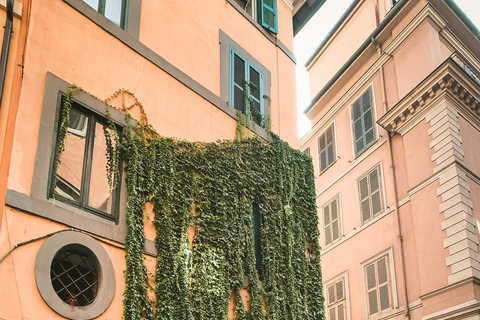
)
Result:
{"points": [[326, 148], [114, 10], [74, 275], [377, 285], [246, 87], [331, 222], [362, 114], [307, 151], [370, 194], [264, 11], [80, 176], [336, 302]]}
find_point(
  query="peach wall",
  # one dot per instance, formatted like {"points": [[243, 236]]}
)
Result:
{"points": [[17, 270], [172, 109], [344, 44]]}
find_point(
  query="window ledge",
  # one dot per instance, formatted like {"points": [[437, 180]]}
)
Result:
{"points": [[389, 314], [329, 166]]}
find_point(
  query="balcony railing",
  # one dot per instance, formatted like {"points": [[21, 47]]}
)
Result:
{"points": [[468, 67]]}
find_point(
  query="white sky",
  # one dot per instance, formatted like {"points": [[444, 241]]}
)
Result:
{"points": [[308, 39]]}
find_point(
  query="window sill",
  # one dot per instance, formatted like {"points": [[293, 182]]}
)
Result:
{"points": [[329, 166], [389, 314], [366, 148]]}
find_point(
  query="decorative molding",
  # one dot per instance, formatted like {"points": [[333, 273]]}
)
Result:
{"points": [[460, 311], [447, 80], [458, 284]]}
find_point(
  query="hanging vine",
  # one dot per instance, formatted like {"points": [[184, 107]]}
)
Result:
{"points": [[210, 188]]}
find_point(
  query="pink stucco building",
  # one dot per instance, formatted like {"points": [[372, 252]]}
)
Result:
{"points": [[395, 142]]}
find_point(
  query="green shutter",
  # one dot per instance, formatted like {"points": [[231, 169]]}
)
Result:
{"points": [[267, 14]]}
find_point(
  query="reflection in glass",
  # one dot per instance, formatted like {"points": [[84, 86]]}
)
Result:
{"points": [[70, 167], [99, 196]]}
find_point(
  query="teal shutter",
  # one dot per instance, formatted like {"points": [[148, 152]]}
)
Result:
{"points": [[267, 14], [257, 237], [362, 115]]}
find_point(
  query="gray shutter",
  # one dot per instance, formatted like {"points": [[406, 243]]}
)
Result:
{"points": [[375, 192], [332, 313], [357, 126], [330, 146], [341, 312], [364, 198], [383, 283], [331, 294], [372, 302], [326, 220], [323, 152], [368, 117], [335, 220], [339, 289], [371, 280]]}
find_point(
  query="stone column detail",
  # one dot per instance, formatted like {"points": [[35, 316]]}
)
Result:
{"points": [[454, 190]]}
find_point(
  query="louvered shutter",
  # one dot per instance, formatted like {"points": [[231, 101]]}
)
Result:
{"points": [[371, 289], [323, 153], [335, 222], [257, 235], [383, 284], [330, 145], [363, 126], [267, 14], [332, 313], [331, 294], [326, 220], [375, 192], [238, 76], [341, 312], [326, 147], [339, 289], [255, 78], [364, 198]]}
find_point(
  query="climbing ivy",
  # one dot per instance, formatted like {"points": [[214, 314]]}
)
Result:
{"points": [[209, 189]]}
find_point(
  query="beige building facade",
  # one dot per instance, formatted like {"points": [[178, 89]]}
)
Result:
{"points": [[395, 128]]}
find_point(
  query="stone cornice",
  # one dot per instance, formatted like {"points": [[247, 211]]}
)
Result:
{"points": [[448, 79]]}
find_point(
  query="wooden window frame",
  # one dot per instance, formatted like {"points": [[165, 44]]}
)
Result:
{"points": [[93, 118], [372, 215], [330, 224], [325, 149]]}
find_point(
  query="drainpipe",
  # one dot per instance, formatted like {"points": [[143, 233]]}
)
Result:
{"points": [[394, 183], [7, 35]]}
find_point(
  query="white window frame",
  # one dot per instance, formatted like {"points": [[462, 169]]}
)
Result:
{"points": [[374, 120], [346, 292], [392, 284], [339, 218], [382, 194], [254, 9]]}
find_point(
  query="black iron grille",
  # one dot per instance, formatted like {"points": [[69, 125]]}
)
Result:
{"points": [[74, 277]]}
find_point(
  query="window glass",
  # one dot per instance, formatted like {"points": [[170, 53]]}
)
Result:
{"points": [[81, 175], [114, 10]]}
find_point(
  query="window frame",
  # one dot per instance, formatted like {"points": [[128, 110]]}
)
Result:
{"points": [[381, 191], [358, 153], [319, 150], [93, 117], [336, 198], [345, 301], [123, 13], [393, 297], [233, 85]]}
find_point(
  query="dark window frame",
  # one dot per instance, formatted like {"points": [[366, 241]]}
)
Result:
{"points": [[123, 13], [94, 117]]}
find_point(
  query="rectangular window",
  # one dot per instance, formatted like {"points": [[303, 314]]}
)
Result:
{"points": [[246, 87], [114, 10], [377, 286], [370, 194], [81, 176], [363, 128], [264, 11], [326, 148], [331, 222], [336, 301], [307, 151]]}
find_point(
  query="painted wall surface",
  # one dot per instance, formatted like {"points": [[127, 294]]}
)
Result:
{"points": [[417, 200], [64, 42]]}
